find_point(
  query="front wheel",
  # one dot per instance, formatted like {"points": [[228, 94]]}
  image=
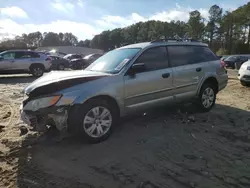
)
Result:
{"points": [[207, 97], [243, 83], [95, 120]]}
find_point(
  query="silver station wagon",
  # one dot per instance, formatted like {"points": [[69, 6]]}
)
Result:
{"points": [[125, 80]]}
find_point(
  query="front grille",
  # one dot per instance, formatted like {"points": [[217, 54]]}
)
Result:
{"points": [[33, 122]]}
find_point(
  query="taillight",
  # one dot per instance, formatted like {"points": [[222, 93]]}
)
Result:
{"points": [[222, 63], [48, 59]]}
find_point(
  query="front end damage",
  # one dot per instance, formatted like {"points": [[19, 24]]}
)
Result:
{"points": [[41, 119], [50, 97]]}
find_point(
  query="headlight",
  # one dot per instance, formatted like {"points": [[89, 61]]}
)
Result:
{"points": [[248, 68], [37, 104]]}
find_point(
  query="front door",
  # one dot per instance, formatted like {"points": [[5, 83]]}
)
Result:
{"points": [[7, 59], [153, 85]]}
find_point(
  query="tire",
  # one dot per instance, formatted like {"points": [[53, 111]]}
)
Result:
{"points": [[208, 94], [237, 65], [243, 83], [80, 120], [61, 67], [37, 70]]}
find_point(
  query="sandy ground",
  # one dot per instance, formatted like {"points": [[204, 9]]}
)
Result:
{"points": [[172, 147]]}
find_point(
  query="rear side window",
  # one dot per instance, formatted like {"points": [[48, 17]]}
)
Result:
{"points": [[34, 55], [186, 55], [208, 54], [154, 58], [20, 55]]}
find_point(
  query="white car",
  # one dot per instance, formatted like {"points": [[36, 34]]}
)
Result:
{"points": [[244, 73]]}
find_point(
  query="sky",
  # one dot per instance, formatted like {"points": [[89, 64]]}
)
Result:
{"points": [[86, 18]]}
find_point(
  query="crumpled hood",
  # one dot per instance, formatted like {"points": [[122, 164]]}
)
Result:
{"points": [[58, 80]]}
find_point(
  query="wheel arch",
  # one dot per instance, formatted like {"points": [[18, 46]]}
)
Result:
{"points": [[36, 64], [210, 79], [107, 98]]}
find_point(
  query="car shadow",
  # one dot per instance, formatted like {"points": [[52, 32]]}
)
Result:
{"points": [[14, 79], [173, 146]]}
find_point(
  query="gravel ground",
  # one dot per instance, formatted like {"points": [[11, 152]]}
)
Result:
{"points": [[172, 147]]}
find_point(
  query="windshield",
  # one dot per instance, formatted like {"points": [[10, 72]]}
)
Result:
{"points": [[231, 58], [88, 56], [2, 53], [113, 61], [66, 56]]}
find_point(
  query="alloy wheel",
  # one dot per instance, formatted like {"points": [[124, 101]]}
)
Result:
{"points": [[97, 121], [208, 97]]}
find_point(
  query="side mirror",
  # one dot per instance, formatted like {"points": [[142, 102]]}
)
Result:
{"points": [[136, 68]]}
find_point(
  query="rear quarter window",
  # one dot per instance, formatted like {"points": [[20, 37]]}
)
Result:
{"points": [[186, 55], [35, 55]]}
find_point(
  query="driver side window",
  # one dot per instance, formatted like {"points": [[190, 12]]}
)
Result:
{"points": [[154, 58]]}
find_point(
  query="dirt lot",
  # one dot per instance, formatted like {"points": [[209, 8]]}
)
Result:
{"points": [[174, 147]]}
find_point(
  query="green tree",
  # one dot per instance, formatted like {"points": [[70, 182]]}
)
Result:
{"points": [[51, 39], [195, 25], [215, 16]]}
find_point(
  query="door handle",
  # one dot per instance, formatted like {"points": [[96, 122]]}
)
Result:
{"points": [[198, 69], [165, 75]]}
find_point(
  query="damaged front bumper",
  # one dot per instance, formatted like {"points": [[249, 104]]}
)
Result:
{"points": [[39, 120]]}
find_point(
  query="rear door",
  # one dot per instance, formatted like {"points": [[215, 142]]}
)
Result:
{"points": [[153, 85], [189, 66]]}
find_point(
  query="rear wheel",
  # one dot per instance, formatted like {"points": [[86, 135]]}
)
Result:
{"points": [[95, 120], [207, 97], [37, 70], [61, 67]]}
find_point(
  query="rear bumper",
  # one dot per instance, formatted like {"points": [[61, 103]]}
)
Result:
{"points": [[222, 82]]}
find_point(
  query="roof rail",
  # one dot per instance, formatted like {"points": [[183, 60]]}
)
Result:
{"points": [[175, 40]]}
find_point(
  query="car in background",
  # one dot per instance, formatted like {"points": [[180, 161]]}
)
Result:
{"points": [[72, 56], [91, 57], [59, 63], [24, 61], [235, 61], [244, 74], [78, 64]]}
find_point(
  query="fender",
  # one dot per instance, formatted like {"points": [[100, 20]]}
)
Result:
{"points": [[207, 76]]}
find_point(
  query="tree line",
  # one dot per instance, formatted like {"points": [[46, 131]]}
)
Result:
{"points": [[226, 33]]}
